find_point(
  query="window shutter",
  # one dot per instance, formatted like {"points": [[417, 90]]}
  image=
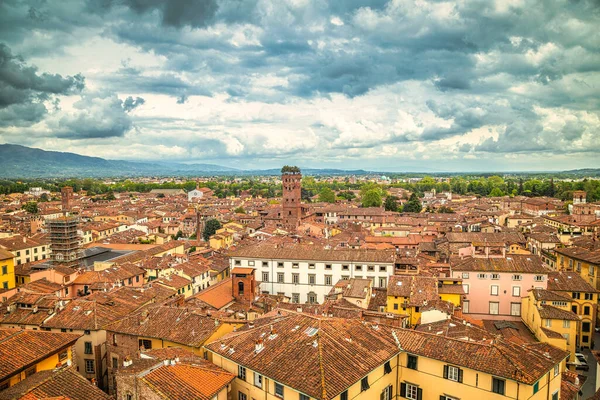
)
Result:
{"points": [[445, 372], [403, 390], [419, 394], [460, 375], [381, 396], [442, 397]]}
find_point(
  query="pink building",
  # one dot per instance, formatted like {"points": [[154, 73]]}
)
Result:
{"points": [[494, 286]]}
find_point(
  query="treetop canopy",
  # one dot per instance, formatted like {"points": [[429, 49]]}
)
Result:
{"points": [[287, 169]]}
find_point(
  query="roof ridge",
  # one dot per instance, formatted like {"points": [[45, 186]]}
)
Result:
{"points": [[321, 368]]}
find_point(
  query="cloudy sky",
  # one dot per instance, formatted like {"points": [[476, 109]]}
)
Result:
{"points": [[398, 85]]}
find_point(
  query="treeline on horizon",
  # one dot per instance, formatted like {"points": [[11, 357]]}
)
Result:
{"points": [[493, 186]]}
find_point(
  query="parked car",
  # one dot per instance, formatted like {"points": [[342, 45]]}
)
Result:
{"points": [[581, 362]]}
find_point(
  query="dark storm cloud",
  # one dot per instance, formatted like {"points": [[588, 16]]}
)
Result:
{"points": [[23, 89]]}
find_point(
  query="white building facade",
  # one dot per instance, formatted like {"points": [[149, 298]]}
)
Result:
{"points": [[308, 276]]}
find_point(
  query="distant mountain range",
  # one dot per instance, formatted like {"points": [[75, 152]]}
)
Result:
{"points": [[18, 161], [25, 162]]}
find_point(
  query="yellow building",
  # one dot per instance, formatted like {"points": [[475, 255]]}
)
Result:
{"points": [[221, 240], [548, 316], [25, 352], [412, 294], [7, 270], [583, 261], [284, 358], [584, 302]]}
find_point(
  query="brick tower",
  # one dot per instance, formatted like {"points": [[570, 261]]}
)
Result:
{"points": [[244, 287], [291, 212], [67, 198]]}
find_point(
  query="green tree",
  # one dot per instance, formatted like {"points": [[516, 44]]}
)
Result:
{"points": [[372, 198], [496, 192], [391, 203], [413, 204], [348, 195], [31, 207], [327, 195], [44, 198], [240, 210], [110, 196], [445, 210], [210, 228], [178, 235]]}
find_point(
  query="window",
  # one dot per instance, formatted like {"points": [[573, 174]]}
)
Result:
{"points": [[498, 385], [344, 395], [387, 368], [516, 291], [115, 362], [241, 372], [242, 396], [410, 391], [566, 323], [303, 397], [586, 310], [481, 276], [452, 373], [465, 275], [4, 269], [567, 338], [556, 369], [395, 306], [578, 266], [539, 278], [265, 277], [88, 348], [63, 356], [295, 278], [371, 268], [364, 384], [585, 327], [89, 366], [295, 265], [466, 306], [495, 276], [258, 380], [576, 295], [494, 308], [278, 389], [311, 279], [411, 362], [548, 323], [383, 268], [494, 290], [386, 394], [328, 266], [515, 309], [296, 298], [382, 282], [589, 296], [592, 270], [358, 267], [280, 277], [311, 266], [555, 395], [238, 262], [536, 387], [466, 288], [279, 265], [328, 279], [312, 298]]}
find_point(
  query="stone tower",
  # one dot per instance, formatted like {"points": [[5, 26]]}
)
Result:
{"points": [[291, 212], [67, 198]]}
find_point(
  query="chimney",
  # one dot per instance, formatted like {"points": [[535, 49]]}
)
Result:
{"points": [[259, 345]]}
